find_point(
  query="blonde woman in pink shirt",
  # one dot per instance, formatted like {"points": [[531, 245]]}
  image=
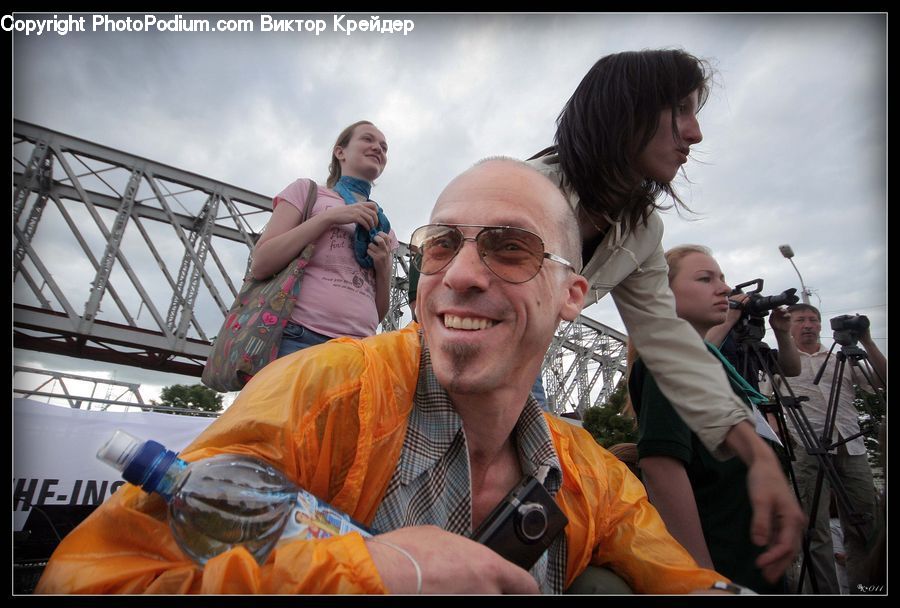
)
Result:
{"points": [[346, 288]]}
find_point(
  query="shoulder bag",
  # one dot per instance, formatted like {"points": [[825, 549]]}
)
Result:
{"points": [[251, 334]]}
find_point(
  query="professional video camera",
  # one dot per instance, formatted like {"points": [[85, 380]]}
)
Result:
{"points": [[848, 328], [754, 309], [759, 306]]}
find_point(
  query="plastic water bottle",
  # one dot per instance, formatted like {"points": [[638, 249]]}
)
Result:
{"points": [[225, 501]]}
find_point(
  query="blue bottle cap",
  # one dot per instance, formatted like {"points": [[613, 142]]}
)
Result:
{"points": [[149, 465]]}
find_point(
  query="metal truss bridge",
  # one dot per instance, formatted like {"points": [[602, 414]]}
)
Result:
{"points": [[126, 260]]}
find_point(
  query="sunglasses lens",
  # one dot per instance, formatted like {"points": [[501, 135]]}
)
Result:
{"points": [[513, 254], [436, 246]]}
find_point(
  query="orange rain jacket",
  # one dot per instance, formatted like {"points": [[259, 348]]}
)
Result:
{"points": [[333, 418]]}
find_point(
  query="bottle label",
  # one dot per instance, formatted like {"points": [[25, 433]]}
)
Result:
{"points": [[312, 518]]}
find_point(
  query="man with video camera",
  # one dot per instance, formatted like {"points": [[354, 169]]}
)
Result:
{"points": [[849, 457]]}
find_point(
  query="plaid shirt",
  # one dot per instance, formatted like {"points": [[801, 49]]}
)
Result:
{"points": [[432, 483]]}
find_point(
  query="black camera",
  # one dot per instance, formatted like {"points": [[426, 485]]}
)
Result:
{"points": [[522, 525], [759, 306], [847, 328]]}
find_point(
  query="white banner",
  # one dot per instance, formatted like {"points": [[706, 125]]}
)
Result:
{"points": [[55, 451]]}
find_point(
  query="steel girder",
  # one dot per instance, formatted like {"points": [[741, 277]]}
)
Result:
{"points": [[124, 390], [147, 232]]}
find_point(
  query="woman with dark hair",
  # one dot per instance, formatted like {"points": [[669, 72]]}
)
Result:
{"points": [[346, 288], [620, 140]]}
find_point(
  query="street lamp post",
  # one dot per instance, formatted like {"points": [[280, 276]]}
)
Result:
{"points": [[787, 252]]}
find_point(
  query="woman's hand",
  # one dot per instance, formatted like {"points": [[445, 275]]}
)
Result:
{"points": [[380, 252], [365, 214]]}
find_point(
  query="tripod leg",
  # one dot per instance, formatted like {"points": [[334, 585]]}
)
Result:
{"points": [[821, 549], [796, 574], [785, 453]]}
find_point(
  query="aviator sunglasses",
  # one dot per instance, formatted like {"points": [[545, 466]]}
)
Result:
{"points": [[514, 254]]}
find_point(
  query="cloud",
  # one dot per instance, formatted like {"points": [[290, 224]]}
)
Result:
{"points": [[794, 146]]}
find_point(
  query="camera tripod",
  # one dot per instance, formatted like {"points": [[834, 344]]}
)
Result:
{"points": [[849, 352], [748, 333]]}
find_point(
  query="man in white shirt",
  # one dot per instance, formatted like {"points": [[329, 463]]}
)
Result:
{"points": [[849, 458]]}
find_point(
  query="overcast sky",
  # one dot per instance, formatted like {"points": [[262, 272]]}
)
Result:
{"points": [[794, 147]]}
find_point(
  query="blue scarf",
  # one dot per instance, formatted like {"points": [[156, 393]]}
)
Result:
{"points": [[346, 186]]}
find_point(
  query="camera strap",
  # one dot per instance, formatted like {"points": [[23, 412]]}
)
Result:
{"points": [[763, 428]]}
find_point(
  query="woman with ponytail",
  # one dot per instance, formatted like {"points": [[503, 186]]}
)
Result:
{"points": [[346, 288]]}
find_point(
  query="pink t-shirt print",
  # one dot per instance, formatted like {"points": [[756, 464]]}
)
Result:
{"points": [[337, 296]]}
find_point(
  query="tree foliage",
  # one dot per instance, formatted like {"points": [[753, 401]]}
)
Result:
{"points": [[870, 407], [195, 397], [607, 423]]}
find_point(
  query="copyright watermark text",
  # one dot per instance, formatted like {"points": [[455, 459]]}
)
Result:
{"points": [[66, 24]]}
